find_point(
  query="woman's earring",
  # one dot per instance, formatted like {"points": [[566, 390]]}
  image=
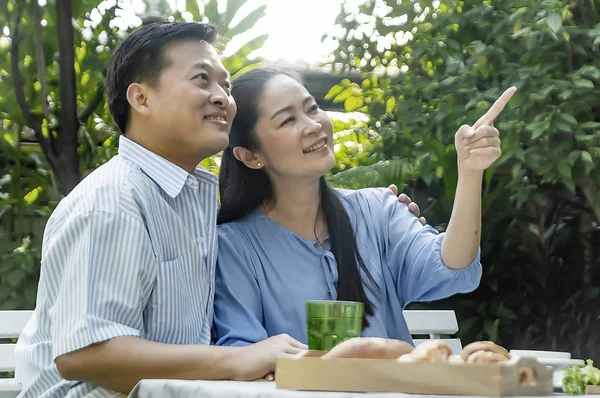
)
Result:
{"points": [[259, 165]]}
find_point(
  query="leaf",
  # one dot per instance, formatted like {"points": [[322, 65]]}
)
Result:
{"points": [[586, 157], [466, 325], [191, 6], [15, 277], [246, 69], [347, 92], [583, 83], [334, 91], [32, 196], [563, 126], [390, 105], [491, 328], [590, 125], [568, 118], [538, 130], [239, 59], [506, 312], [352, 103], [232, 8], [211, 11], [565, 171], [554, 22], [572, 157], [247, 23]]}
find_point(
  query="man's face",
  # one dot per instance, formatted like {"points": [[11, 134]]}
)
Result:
{"points": [[191, 104]]}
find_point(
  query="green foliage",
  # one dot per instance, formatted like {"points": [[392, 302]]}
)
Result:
{"points": [[239, 59], [431, 66], [577, 378], [29, 187], [23, 180]]}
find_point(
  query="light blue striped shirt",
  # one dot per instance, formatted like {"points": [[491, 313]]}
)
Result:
{"points": [[131, 251]]}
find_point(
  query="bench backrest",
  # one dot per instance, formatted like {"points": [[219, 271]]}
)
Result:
{"points": [[11, 325], [433, 323]]}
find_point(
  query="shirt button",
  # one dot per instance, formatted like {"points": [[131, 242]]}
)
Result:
{"points": [[199, 239], [190, 182]]}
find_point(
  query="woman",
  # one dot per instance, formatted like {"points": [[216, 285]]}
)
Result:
{"points": [[286, 236]]}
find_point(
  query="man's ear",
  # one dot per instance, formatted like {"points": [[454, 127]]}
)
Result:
{"points": [[137, 96], [249, 158]]}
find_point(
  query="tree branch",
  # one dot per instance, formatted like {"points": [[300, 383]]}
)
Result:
{"points": [[87, 112], [30, 118], [67, 141], [33, 122], [69, 124], [41, 64]]}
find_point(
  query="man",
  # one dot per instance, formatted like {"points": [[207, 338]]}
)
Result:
{"points": [[127, 281]]}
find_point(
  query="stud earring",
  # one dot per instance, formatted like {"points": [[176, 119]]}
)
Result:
{"points": [[259, 164]]}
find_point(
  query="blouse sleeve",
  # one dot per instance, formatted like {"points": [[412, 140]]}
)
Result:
{"points": [[413, 254]]}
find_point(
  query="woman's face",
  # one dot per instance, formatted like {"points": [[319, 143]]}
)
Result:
{"points": [[295, 135]]}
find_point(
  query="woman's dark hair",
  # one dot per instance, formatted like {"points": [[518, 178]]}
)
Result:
{"points": [[243, 189], [141, 57]]}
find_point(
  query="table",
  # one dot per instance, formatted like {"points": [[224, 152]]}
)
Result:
{"points": [[239, 389]]}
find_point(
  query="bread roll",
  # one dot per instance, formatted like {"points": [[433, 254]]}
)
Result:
{"points": [[429, 351], [485, 346], [487, 357], [370, 348], [455, 359]]}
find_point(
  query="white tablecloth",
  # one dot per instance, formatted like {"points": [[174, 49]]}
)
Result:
{"points": [[238, 389]]}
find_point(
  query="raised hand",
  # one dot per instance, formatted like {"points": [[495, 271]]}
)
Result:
{"points": [[479, 146]]}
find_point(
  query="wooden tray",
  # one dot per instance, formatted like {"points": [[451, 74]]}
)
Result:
{"points": [[592, 390], [307, 371]]}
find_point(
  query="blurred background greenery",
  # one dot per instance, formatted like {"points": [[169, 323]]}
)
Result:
{"points": [[403, 77]]}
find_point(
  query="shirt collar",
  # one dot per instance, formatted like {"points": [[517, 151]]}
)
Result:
{"points": [[169, 177]]}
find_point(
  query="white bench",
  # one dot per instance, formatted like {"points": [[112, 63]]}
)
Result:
{"points": [[11, 325], [432, 323]]}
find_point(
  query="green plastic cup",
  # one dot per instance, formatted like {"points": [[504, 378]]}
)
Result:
{"points": [[330, 322]]}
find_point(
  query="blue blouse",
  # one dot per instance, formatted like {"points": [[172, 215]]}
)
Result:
{"points": [[266, 273]]}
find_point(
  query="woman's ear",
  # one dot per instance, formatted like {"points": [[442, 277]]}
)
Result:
{"points": [[249, 158]]}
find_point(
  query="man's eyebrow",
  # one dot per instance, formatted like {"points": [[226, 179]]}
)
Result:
{"points": [[200, 65], [208, 66], [288, 108]]}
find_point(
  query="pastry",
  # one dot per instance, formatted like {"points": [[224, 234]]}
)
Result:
{"points": [[502, 354], [430, 351], [487, 357], [369, 347]]}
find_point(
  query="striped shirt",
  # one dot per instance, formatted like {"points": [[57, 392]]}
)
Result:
{"points": [[131, 251]]}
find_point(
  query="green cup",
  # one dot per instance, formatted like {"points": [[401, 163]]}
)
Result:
{"points": [[330, 322]]}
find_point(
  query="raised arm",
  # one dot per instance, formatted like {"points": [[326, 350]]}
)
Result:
{"points": [[477, 148]]}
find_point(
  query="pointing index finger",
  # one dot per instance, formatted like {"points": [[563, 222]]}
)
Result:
{"points": [[494, 111]]}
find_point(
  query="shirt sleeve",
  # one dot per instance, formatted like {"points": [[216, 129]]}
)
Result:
{"points": [[238, 304], [413, 254], [100, 264]]}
